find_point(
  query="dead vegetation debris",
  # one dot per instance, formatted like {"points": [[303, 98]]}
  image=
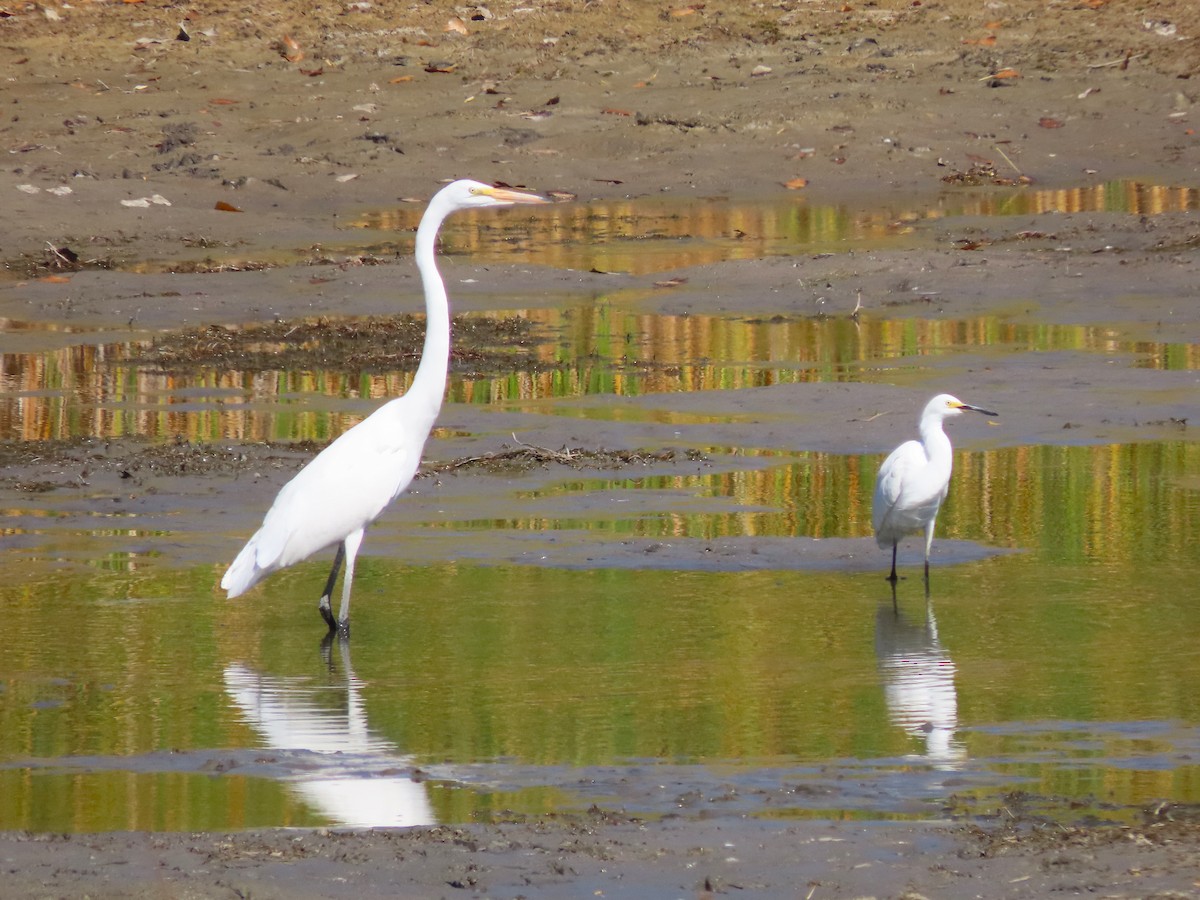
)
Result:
{"points": [[525, 456], [1039, 839], [231, 262], [57, 258], [1189, 242], [985, 173], [211, 266], [49, 465], [1030, 824], [46, 465], [481, 346]]}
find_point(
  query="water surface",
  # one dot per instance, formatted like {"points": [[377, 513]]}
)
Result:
{"points": [[1055, 652], [604, 349], [132, 693]]}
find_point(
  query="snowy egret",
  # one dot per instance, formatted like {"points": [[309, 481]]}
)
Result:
{"points": [[344, 488], [914, 479]]}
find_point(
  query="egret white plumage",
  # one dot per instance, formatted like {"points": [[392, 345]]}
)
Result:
{"points": [[347, 485], [914, 479]]}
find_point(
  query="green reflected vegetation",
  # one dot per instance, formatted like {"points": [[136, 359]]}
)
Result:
{"points": [[1093, 621], [661, 233], [648, 234], [1110, 506], [157, 801], [1063, 660], [604, 348]]}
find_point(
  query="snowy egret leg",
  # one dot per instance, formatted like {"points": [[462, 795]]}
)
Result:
{"points": [[351, 543], [323, 606], [928, 543]]}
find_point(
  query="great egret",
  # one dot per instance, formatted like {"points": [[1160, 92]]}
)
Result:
{"points": [[344, 488], [914, 479]]}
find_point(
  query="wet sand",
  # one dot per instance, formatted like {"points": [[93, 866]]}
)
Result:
{"points": [[604, 854], [303, 122]]}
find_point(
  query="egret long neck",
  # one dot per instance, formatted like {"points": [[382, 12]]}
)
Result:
{"points": [[936, 444], [430, 380]]}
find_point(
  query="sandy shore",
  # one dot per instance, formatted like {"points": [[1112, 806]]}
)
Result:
{"points": [[608, 855]]}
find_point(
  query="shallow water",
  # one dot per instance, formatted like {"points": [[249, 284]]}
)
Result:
{"points": [[1055, 653], [603, 349], [662, 233], [136, 698], [641, 235]]}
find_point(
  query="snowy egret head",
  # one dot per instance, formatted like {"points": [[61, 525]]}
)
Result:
{"points": [[945, 405]]}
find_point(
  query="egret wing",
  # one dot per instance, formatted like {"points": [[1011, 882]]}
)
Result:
{"points": [[897, 470], [341, 490]]}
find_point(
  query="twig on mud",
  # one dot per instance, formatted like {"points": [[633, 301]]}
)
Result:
{"points": [[1123, 61], [563, 456], [858, 307], [58, 254], [525, 452], [996, 147]]}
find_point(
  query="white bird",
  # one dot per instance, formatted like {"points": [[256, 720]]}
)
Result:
{"points": [[344, 488], [354, 777], [918, 682], [914, 479]]}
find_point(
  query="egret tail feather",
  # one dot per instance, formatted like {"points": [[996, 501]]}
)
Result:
{"points": [[243, 573]]}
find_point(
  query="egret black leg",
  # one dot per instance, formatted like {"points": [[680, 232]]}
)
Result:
{"points": [[892, 578], [339, 635], [327, 649], [323, 606], [929, 545], [327, 615]]}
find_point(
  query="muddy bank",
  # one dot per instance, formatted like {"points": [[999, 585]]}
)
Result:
{"points": [[127, 143], [610, 854]]}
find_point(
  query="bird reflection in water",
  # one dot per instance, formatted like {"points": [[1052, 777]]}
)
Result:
{"points": [[353, 779], [918, 681]]}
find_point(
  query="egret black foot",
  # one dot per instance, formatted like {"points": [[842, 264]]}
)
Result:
{"points": [[327, 615]]}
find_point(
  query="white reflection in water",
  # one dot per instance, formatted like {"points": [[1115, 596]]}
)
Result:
{"points": [[918, 681], [345, 784]]}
